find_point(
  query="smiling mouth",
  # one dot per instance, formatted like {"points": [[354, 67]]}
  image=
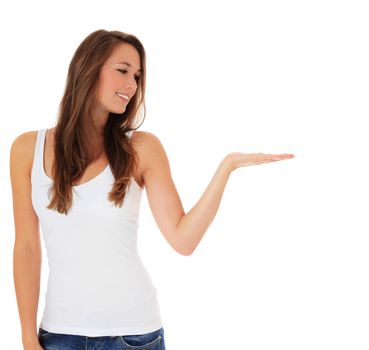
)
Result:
{"points": [[123, 96]]}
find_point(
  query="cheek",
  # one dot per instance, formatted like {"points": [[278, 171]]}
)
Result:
{"points": [[108, 82]]}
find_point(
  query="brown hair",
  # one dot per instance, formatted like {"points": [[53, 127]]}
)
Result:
{"points": [[74, 117]]}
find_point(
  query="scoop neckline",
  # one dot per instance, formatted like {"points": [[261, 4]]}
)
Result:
{"points": [[107, 167]]}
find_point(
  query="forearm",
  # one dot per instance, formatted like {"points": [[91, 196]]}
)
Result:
{"points": [[26, 273], [193, 225]]}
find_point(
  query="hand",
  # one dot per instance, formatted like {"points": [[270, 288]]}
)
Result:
{"points": [[236, 159]]}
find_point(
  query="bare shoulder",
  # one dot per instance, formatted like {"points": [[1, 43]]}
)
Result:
{"points": [[144, 136], [22, 150], [149, 148], [25, 138]]}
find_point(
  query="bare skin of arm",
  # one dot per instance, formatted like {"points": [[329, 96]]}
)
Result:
{"points": [[184, 231], [27, 246]]}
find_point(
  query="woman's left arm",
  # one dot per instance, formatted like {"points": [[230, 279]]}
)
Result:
{"points": [[184, 231]]}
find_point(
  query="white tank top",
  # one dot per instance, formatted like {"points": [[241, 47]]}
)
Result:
{"points": [[97, 283]]}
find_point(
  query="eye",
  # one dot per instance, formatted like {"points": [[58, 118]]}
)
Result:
{"points": [[124, 71]]}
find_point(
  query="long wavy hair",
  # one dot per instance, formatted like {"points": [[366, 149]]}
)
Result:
{"points": [[71, 153]]}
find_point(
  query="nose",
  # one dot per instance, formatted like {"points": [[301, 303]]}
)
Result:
{"points": [[131, 88], [132, 84]]}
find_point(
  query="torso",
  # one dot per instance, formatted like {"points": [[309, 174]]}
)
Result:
{"points": [[92, 170]]}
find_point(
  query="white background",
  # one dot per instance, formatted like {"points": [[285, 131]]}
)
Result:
{"points": [[284, 264]]}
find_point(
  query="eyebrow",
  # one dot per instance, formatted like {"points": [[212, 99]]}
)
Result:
{"points": [[129, 65]]}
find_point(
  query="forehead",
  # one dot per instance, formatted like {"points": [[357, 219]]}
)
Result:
{"points": [[125, 53]]}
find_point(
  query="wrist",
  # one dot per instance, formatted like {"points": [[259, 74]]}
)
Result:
{"points": [[227, 164]]}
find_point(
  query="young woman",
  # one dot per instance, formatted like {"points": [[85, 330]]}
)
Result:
{"points": [[82, 181]]}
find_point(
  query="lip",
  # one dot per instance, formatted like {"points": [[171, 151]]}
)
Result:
{"points": [[123, 99]]}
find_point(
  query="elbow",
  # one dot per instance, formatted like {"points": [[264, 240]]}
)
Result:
{"points": [[185, 250], [182, 245]]}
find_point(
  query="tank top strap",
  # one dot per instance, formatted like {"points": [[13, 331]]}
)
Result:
{"points": [[38, 161]]}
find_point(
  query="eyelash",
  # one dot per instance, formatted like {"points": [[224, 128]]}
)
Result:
{"points": [[125, 71]]}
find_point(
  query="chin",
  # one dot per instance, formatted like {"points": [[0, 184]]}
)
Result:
{"points": [[118, 111]]}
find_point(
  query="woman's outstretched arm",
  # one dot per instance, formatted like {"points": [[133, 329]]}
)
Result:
{"points": [[184, 231], [192, 226]]}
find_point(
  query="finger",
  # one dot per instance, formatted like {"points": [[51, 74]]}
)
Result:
{"points": [[281, 156]]}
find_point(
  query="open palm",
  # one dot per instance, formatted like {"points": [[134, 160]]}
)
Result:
{"points": [[237, 159]]}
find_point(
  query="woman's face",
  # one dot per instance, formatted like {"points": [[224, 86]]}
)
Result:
{"points": [[116, 78]]}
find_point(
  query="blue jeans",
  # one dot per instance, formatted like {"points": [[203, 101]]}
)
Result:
{"points": [[56, 341]]}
